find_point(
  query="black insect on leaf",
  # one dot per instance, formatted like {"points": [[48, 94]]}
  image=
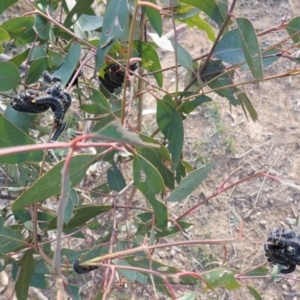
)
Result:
{"points": [[82, 269], [114, 76], [55, 98], [212, 70], [284, 250]]}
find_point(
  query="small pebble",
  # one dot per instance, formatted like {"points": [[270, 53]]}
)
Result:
{"points": [[172, 253], [290, 221]]}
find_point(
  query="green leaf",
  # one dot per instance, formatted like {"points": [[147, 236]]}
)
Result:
{"points": [[74, 289], [9, 76], [190, 183], [55, 58], [71, 203], [183, 56], [229, 92], [197, 21], [88, 23], [260, 271], [4, 37], [170, 124], [115, 21], [189, 296], [24, 275], [38, 281], [167, 232], [209, 7], [293, 29], [4, 4], [246, 103], [10, 240], [115, 179], [148, 180], [20, 119], [160, 158], [254, 292], [114, 132], [12, 136], [150, 59], [229, 48], [66, 70], [147, 264], [132, 275], [188, 106], [221, 278], [18, 59], [100, 104], [251, 47], [154, 18], [81, 215], [15, 27], [79, 8], [49, 184], [42, 27], [36, 70]]}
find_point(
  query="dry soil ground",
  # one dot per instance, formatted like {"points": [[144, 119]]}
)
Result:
{"points": [[270, 144]]}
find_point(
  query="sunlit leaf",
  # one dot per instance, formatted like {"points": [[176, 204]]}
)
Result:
{"points": [[154, 18], [196, 21], [209, 7], [150, 59], [17, 26]]}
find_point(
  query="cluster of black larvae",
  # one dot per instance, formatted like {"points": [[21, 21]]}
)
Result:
{"points": [[55, 98], [284, 250], [114, 76], [82, 269]]}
